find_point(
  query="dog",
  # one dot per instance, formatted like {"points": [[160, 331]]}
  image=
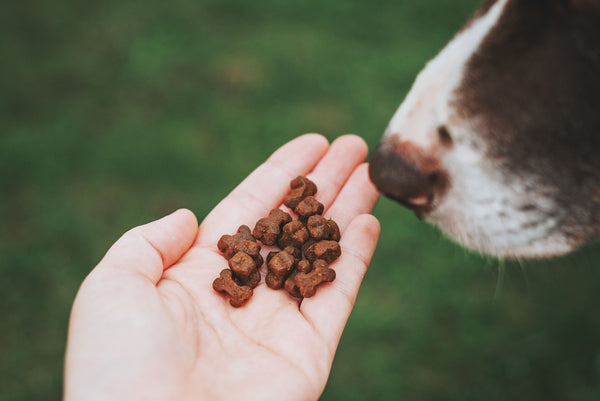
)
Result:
{"points": [[498, 141]]}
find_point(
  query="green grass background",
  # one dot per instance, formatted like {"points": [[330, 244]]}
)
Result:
{"points": [[114, 113]]}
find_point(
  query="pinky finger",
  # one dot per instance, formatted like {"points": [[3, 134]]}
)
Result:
{"points": [[329, 310]]}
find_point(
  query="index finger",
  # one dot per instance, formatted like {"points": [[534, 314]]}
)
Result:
{"points": [[264, 188]]}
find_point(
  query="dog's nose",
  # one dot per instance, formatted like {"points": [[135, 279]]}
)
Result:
{"points": [[407, 174]]}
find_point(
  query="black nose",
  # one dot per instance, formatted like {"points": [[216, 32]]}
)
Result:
{"points": [[407, 175]]}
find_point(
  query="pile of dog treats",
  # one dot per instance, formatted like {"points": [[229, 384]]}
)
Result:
{"points": [[306, 245]]}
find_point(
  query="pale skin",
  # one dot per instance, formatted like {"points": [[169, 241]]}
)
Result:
{"points": [[147, 325]]}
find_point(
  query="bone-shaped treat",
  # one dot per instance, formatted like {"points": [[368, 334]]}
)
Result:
{"points": [[245, 269], [326, 250], [290, 285], [307, 282], [268, 228], [293, 234], [242, 241], [309, 206], [320, 228], [301, 188], [295, 252], [303, 266], [280, 266], [238, 294]]}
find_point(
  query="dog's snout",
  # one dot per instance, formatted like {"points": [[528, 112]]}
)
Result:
{"points": [[408, 175]]}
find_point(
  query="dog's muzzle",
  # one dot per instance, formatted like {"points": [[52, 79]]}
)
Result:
{"points": [[408, 175]]}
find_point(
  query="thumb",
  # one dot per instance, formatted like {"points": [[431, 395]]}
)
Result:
{"points": [[149, 249]]}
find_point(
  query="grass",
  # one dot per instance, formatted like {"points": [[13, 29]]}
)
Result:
{"points": [[115, 113]]}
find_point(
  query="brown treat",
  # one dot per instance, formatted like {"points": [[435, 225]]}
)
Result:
{"points": [[318, 228], [238, 294], [244, 232], [304, 266], [258, 259], [334, 230], [301, 188], [243, 241], [307, 244], [267, 229], [270, 255], [291, 287], [280, 216], [326, 250], [245, 269], [295, 252], [307, 282], [253, 280], [281, 264], [293, 234], [274, 282], [309, 206]]}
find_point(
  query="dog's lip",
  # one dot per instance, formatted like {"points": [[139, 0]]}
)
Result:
{"points": [[419, 200], [420, 205]]}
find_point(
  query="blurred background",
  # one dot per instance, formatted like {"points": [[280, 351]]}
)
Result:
{"points": [[114, 113]]}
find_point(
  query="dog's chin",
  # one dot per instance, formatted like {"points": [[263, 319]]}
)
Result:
{"points": [[504, 245], [536, 250]]}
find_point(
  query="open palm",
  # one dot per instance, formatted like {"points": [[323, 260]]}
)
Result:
{"points": [[146, 323]]}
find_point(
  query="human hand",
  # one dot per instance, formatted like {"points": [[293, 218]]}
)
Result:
{"points": [[147, 325]]}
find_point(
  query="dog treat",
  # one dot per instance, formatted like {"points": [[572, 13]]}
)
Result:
{"points": [[306, 245], [295, 252], [307, 282], [326, 250], [317, 227], [274, 282], [301, 188], [304, 266], [238, 294], [245, 269], [309, 206], [293, 234], [242, 241], [270, 256], [334, 230], [267, 229], [291, 287], [320, 228], [253, 280], [280, 266]]}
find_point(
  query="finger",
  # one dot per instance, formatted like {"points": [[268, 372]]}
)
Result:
{"points": [[149, 249], [332, 172], [358, 196], [329, 310], [264, 188]]}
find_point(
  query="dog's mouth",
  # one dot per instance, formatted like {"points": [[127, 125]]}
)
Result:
{"points": [[420, 205]]}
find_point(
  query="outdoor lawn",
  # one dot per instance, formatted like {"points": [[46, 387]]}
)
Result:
{"points": [[115, 113]]}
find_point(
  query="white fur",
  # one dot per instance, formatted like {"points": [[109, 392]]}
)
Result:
{"points": [[427, 103], [482, 210]]}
